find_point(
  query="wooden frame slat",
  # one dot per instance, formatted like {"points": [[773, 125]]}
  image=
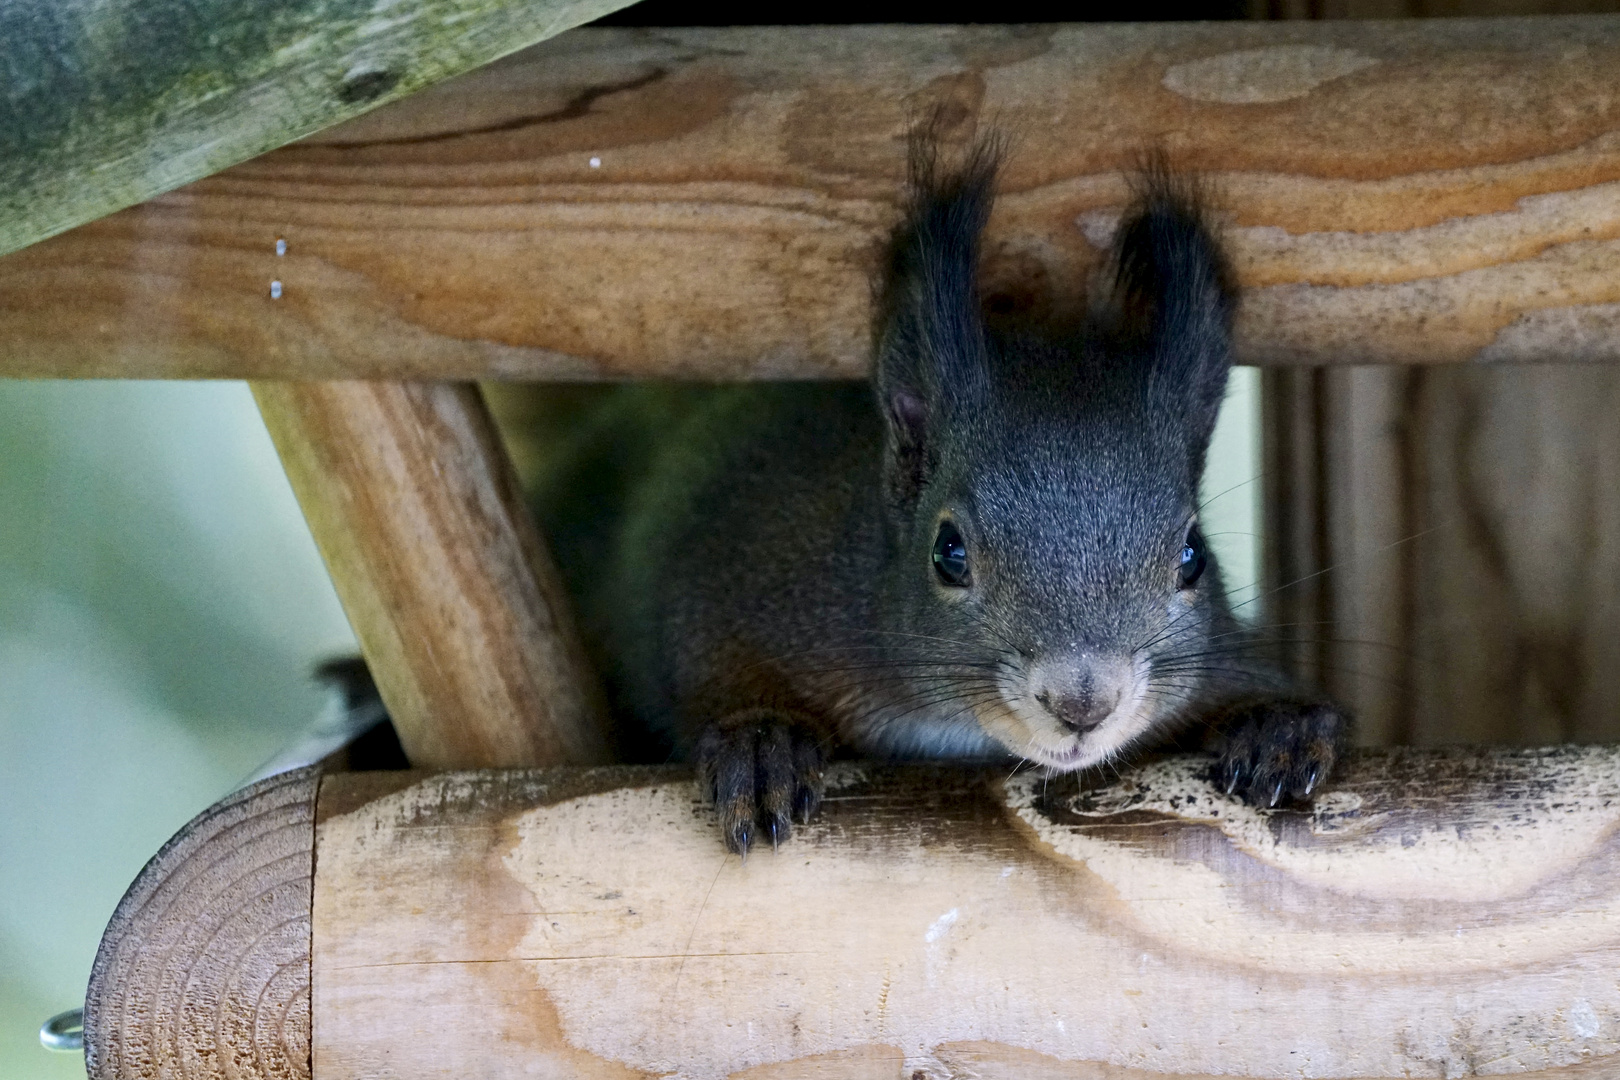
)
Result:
{"points": [[707, 203]]}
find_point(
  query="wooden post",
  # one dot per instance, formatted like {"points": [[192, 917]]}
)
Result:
{"points": [[443, 574], [1436, 913]]}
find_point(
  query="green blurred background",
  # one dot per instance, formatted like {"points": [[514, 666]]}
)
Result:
{"points": [[161, 606]]}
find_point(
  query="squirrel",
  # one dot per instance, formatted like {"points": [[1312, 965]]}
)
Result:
{"points": [[990, 550]]}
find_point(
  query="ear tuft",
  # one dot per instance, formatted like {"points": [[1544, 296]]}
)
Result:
{"points": [[931, 350], [1174, 290]]}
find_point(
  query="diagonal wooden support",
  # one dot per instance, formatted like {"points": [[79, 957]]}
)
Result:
{"points": [[444, 577]]}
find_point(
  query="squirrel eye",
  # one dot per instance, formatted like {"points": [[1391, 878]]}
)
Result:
{"points": [[950, 555], [1193, 558]]}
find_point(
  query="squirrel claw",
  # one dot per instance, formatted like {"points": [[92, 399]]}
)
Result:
{"points": [[761, 771], [1274, 751], [1234, 774]]}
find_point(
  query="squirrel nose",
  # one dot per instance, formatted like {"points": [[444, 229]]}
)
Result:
{"points": [[1082, 711]]}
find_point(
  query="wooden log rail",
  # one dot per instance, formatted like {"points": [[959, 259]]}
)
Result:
{"points": [[1436, 913], [705, 203]]}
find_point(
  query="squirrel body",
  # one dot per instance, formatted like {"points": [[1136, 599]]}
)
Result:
{"points": [[991, 550]]}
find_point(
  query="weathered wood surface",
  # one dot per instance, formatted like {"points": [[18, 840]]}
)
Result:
{"points": [[1435, 914], [1403, 191], [445, 579], [108, 104], [203, 973], [1444, 547]]}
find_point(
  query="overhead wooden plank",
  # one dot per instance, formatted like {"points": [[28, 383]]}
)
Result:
{"points": [[1403, 191], [108, 104], [1440, 913], [443, 575]]}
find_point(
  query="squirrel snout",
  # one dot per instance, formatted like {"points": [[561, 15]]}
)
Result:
{"points": [[1082, 711], [1080, 692]]}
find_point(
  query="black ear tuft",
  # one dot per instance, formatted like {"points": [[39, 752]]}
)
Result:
{"points": [[930, 336], [1175, 291]]}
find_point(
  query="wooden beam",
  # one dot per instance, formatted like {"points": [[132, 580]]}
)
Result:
{"points": [[706, 203], [110, 103], [443, 575], [1436, 913]]}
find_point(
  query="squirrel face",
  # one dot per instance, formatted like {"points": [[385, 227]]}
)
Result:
{"points": [[1041, 495]]}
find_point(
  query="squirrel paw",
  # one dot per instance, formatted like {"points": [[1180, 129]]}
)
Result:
{"points": [[1279, 750], [762, 773]]}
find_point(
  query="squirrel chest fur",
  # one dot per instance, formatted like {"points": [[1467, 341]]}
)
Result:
{"points": [[991, 550]]}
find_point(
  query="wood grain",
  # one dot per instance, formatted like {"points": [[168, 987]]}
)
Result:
{"points": [[443, 575], [110, 103], [203, 972], [1435, 914], [1446, 548], [1402, 191]]}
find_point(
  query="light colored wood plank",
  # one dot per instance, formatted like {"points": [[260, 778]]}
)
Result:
{"points": [[1403, 191], [1435, 914], [110, 103], [1456, 568], [443, 575], [203, 971]]}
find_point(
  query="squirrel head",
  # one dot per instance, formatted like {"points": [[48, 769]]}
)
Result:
{"points": [[1041, 495]]}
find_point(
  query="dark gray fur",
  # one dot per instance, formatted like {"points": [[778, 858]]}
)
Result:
{"points": [[757, 580]]}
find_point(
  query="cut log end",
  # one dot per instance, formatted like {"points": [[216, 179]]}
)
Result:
{"points": [[204, 970]]}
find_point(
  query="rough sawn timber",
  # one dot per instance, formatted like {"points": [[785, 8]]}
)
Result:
{"points": [[447, 582], [707, 203], [110, 102], [1435, 913]]}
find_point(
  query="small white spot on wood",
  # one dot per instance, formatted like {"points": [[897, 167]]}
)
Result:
{"points": [[1583, 1019], [1099, 226], [1260, 76], [281, 246], [596, 163], [941, 925], [275, 290]]}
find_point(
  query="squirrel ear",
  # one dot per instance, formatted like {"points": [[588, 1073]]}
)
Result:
{"points": [[931, 351], [1174, 292]]}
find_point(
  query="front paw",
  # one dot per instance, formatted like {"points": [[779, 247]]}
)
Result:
{"points": [[762, 771], [1279, 750]]}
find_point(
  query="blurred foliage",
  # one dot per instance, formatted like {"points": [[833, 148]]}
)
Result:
{"points": [[161, 604]]}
